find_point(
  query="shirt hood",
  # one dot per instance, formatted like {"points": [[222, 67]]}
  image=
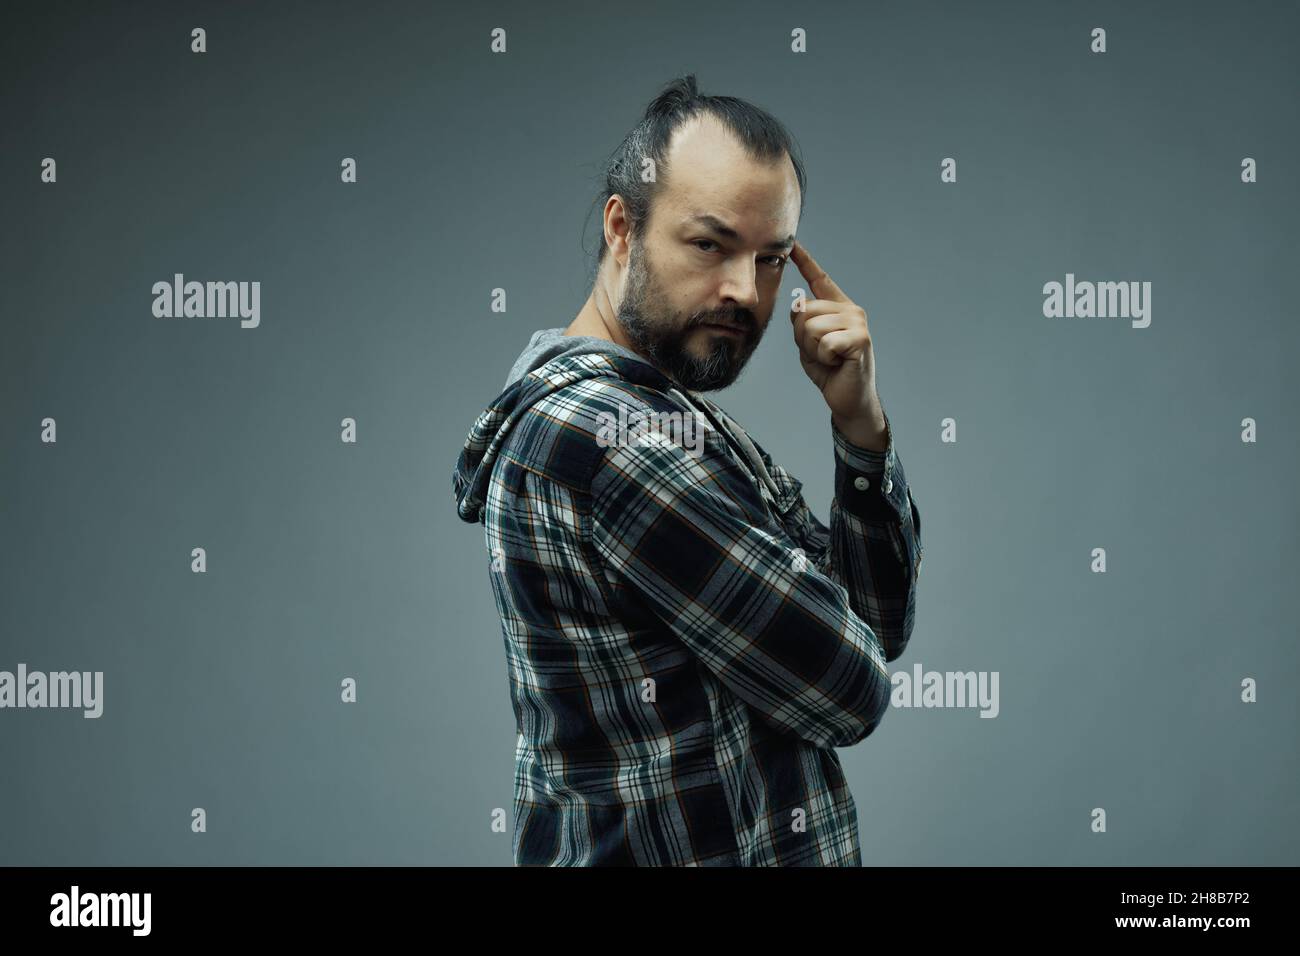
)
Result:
{"points": [[550, 361]]}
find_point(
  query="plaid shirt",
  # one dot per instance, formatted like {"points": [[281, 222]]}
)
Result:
{"points": [[686, 641]]}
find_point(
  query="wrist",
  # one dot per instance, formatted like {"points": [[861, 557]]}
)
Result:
{"points": [[867, 431]]}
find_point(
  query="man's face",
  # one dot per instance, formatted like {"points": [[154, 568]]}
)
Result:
{"points": [[703, 276]]}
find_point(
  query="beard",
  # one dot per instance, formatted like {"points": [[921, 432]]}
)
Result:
{"points": [[659, 332]]}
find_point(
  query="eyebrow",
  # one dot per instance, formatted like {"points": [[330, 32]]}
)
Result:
{"points": [[722, 229]]}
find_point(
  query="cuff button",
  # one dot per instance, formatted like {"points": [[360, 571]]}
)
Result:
{"points": [[889, 485], [861, 483]]}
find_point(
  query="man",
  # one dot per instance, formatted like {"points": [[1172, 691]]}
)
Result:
{"points": [[686, 641]]}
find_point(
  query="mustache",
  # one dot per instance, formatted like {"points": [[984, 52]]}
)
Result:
{"points": [[739, 318]]}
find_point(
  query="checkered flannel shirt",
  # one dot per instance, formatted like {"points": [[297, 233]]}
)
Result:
{"points": [[686, 641]]}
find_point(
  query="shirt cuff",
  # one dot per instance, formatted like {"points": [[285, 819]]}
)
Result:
{"points": [[869, 484]]}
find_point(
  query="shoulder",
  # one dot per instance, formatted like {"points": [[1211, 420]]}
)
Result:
{"points": [[565, 434]]}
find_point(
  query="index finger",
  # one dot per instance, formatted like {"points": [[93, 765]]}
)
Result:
{"points": [[823, 286]]}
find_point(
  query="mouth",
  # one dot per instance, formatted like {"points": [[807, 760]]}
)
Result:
{"points": [[729, 329]]}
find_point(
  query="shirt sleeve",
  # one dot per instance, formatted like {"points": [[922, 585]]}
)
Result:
{"points": [[873, 546], [690, 535]]}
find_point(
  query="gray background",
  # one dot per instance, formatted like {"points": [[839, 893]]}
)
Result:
{"points": [[477, 171]]}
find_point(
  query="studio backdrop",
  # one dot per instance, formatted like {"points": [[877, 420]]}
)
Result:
{"points": [[240, 621]]}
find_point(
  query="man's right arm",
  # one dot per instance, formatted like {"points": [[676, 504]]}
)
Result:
{"points": [[692, 538], [873, 545]]}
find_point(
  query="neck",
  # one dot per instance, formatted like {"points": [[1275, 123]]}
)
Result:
{"points": [[598, 317]]}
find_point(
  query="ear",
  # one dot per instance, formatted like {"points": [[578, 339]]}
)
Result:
{"points": [[617, 229]]}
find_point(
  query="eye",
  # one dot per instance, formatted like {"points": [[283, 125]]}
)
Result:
{"points": [[776, 262]]}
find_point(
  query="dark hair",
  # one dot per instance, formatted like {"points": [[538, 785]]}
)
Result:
{"points": [[762, 135]]}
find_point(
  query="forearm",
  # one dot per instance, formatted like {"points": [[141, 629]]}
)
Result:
{"points": [[875, 541]]}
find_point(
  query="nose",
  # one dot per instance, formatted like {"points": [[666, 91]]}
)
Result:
{"points": [[740, 284]]}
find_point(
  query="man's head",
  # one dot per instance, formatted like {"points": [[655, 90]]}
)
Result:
{"points": [[700, 249]]}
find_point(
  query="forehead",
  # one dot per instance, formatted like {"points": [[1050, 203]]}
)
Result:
{"points": [[710, 172]]}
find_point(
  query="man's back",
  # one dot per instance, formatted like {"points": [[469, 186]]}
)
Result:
{"points": [[680, 664]]}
